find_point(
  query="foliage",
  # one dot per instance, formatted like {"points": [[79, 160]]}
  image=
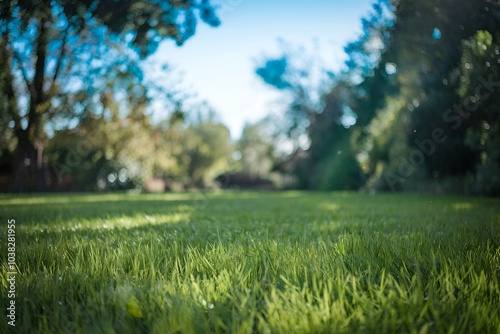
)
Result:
{"points": [[257, 146], [326, 115], [303, 80], [405, 112], [103, 155], [280, 262], [206, 149], [60, 57], [123, 152], [480, 63]]}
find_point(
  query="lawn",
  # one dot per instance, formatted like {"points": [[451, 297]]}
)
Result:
{"points": [[245, 262]]}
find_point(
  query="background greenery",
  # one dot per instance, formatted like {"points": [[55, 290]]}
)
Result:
{"points": [[76, 106]]}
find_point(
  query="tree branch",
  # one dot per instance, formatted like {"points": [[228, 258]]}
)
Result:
{"points": [[59, 63], [29, 84], [12, 100]]}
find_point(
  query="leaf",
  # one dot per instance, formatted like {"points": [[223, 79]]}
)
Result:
{"points": [[134, 309]]}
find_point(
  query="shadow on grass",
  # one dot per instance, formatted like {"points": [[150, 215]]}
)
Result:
{"points": [[275, 213]]}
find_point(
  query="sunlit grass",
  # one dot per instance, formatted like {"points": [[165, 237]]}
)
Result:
{"points": [[248, 262]]}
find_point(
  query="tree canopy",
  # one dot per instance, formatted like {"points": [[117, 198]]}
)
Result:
{"points": [[405, 112], [61, 60]]}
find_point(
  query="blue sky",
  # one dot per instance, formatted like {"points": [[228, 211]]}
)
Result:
{"points": [[219, 63]]}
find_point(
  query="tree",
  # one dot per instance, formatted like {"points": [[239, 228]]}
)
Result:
{"points": [[326, 107], [58, 57], [426, 46], [407, 106], [206, 151], [480, 66], [257, 148], [303, 80], [101, 154]]}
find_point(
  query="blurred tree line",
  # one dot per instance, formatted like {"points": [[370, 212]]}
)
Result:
{"points": [[415, 108], [74, 100]]}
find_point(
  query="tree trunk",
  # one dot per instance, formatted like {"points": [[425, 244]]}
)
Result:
{"points": [[28, 168], [24, 168]]}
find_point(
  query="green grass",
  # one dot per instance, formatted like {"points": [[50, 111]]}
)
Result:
{"points": [[243, 262]]}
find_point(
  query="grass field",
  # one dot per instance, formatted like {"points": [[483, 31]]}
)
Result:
{"points": [[243, 262]]}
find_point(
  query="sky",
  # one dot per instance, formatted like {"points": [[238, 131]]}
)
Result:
{"points": [[219, 63]]}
